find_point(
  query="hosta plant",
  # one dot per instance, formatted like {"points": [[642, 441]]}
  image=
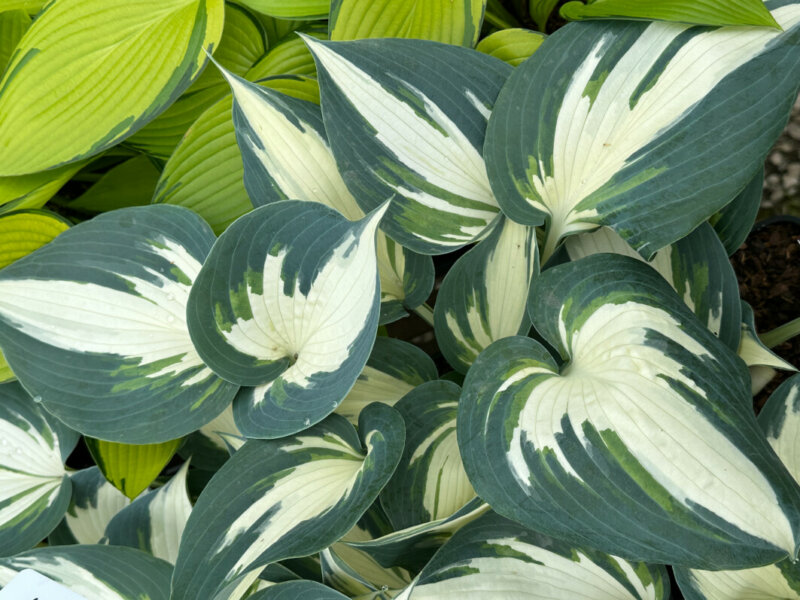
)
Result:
{"points": [[215, 308]]}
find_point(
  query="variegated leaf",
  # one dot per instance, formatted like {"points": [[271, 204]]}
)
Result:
{"points": [[288, 302], [278, 499], [354, 572], [298, 590], [393, 369], [95, 572], [415, 136], [55, 97], [627, 125], [780, 420], [430, 483], [34, 487], [484, 296], [697, 268], [93, 325], [93, 504], [286, 156], [752, 350], [493, 557], [734, 222], [643, 444], [211, 445], [411, 548], [155, 521]]}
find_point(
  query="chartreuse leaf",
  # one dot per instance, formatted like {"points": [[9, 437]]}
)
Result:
{"points": [[298, 590], [430, 483], [415, 136], [278, 499], [699, 12], [130, 183], [444, 21], [94, 502], [393, 369], [29, 6], [242, 44], [291, 9], [288, 301], [33, 191], [34, 487], [484, 296], [74, 50], [734, 222], [540, 11], [107, 572], [493, 553], [780, 420], [131, 468], [155, 521], [411, 548], [205, 171], [697, 268], [608, 450], [13, 25], [286, 156], [627, 125], [512, 46], [6, 374], [93, 324]]}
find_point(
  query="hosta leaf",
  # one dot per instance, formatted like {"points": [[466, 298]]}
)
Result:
{"points": [[55, 97], [430, 483], [780, 420], [456, 22], [93, 324], [540, 11], [752, 350], [393, 369], [626, 124], [493, 553], [278, 499], [415, 137], [734, 222], [411, 548], [34, 487], [6, 374], [610, 449], [511, 45], [205, 171], [286, 156], [211, 445], [290, 56], [13, 24], [484, 296], [242, 44], [130, 183], [291, 9], [94, 502], [131, 468], [22, 232], [697, 268], [154, 522], [107, 572], [354, 572], [29, 6], [298, 590], [33, 191], [700, 12], [288, 301]]}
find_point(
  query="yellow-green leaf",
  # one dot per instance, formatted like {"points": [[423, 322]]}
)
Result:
{"points": [[29, 6], [511, 45], [6, 374], [13, 24], [23, 232], [540, 11], [131, 468], [449, 21], [130, 183], [34, 190], [290, 9], [88, 74]]}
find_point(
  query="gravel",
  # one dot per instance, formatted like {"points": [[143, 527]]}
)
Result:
{"points": [[782, 171]]}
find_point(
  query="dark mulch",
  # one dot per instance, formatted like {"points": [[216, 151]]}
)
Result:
{"points": [[768, 268]]}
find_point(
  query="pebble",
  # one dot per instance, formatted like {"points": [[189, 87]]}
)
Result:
{"points": [[782, 181]]}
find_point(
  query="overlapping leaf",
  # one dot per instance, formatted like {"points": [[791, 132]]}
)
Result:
{"points": [[626, 124], [415, 136], [56, 102], [288, 301], [13, 25], [484, 296], [291, 9], [495, 557], [511, 45], [277, 499], [286, 156], [643, 444], [734, 222], [34, 486], [93, 325], [697, 268], [107, 572]]}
